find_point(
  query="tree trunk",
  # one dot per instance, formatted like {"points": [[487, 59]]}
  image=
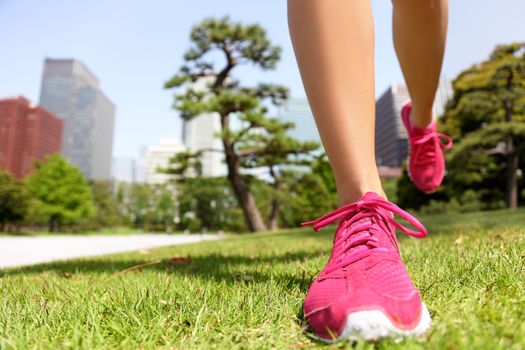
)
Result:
{"points": [[251, 213], [511, 192], [274, 215], [276, 203]]}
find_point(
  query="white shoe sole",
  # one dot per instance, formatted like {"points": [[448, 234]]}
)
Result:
{"points": [[374, 324]]}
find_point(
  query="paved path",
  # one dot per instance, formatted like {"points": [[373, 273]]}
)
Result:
{"points": [[19, 251]]}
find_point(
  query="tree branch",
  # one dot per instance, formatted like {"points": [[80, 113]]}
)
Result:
{"points": [[223, 74]]}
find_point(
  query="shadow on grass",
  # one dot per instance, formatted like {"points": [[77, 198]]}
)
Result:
{"points": [[231, 268]]}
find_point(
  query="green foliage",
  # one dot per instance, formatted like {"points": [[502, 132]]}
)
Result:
{"points": [[62, 193], [106, 207], [164, 210], [488, 93], [321, 167], [183, 165], [14, 200], [139, 203], [208, 202], [305, 197], [149, 207], [244, 43]]}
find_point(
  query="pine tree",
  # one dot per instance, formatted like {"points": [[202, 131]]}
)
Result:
{"points": [[486, 116], [239, 45]]}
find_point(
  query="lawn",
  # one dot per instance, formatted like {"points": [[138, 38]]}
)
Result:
{"points": [[246, 292]]}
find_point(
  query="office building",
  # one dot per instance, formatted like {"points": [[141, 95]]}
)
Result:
{"points": [[27, 133], [391, 144], [158, 156], [71, 92], [201, 134], [297, 111]]}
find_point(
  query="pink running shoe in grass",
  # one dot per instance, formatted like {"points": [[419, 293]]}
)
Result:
{"points": [[365, 291], [426, 161]]}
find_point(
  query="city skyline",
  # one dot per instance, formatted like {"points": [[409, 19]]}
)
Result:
{"points": [[135, 52]]}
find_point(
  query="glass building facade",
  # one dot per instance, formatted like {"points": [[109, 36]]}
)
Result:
{"points": [[71, 92]]}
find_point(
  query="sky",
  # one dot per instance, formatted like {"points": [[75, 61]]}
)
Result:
{"points": [[134, 46]]}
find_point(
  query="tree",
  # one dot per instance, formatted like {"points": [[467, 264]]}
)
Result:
{"points": [[106, 206], [14, 200], [62, 193], [163, 212], [306, 196], [269, 146], [222, 94], [208, 202], [184, 165], [322, 168], [139, 201], [486, 115]]}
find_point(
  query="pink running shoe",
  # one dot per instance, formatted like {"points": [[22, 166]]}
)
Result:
{"points": [[365, 291], [426, 163]]}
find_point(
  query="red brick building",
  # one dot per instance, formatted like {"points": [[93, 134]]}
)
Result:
{"points": [[27, 133]]}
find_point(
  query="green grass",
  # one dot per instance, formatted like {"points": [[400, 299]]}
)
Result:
{"points": [[247, 291]]}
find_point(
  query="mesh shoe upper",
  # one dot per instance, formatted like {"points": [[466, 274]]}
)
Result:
{"points": [[364, 271], [426, 163]]}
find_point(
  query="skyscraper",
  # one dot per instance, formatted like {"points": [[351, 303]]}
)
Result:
{"points": [[391, 145], [27, 133], [297, 111], [72, 92], [390, 136], [200, 134]]}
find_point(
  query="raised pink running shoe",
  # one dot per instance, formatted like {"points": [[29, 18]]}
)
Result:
{"points": [[365, 291], [426, 162]]}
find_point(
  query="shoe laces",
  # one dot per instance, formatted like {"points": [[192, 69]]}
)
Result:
{"points": [[360, 222], [427, 141]]}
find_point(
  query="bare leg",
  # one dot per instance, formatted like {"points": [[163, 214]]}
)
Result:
{"points": [[420, 30], [333, 42]]}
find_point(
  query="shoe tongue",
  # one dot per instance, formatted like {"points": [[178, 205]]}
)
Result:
{"points": [[370, 196], [416, 131]]}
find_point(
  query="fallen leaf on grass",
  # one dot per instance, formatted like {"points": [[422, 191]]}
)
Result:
{"points": [[459, 241], [144, 252], [179, 260]]}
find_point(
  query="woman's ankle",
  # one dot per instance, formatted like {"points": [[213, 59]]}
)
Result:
{"points": [[348, 196]]}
